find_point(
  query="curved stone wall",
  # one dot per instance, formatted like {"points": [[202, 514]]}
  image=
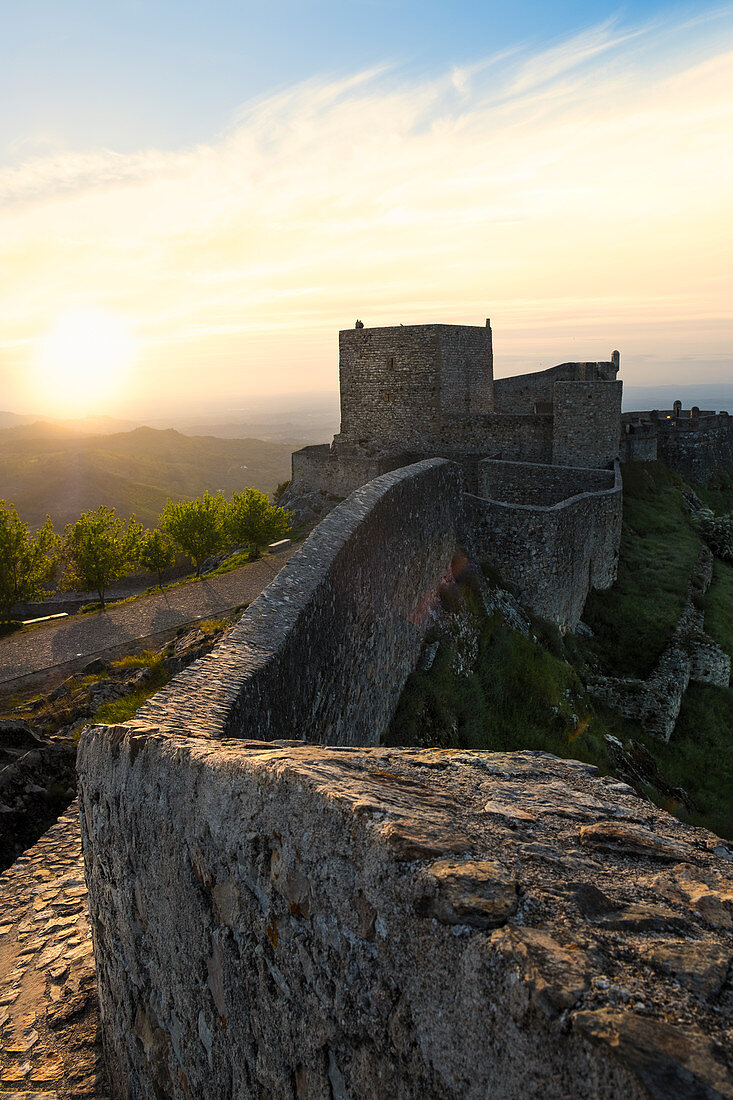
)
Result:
{"points": [[273, 919], [323, 653], [554, 553]]}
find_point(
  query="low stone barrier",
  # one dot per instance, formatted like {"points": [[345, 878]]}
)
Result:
{"points": [[323, 653], [304, 922]]}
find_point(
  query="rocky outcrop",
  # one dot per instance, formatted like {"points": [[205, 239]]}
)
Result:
{"points": [[373, 922], [38, 747], [37, 781], [691, 655]]}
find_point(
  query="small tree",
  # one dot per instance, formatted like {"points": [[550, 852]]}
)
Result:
{"points": [[99, 549], [250, 518], [195, 526], [155, 553], [26, 561], [279, 491]]}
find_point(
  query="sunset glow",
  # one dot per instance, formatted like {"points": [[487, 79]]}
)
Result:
{"points": [[575, 189], [83, 360]]}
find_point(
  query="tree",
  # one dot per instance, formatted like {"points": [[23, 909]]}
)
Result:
{"points": [[195, 526], [26, 561], [250, 518], [279, 491], [155, 553], [99, 549]]}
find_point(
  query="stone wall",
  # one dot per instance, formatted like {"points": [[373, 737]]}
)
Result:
{"points": [[554, 554], [324, 651], [397, 383], [696, 447], [297, 922], [273, 918], [523, 393], [337, 473], [638, 442], [530, 483], [586, 418]]}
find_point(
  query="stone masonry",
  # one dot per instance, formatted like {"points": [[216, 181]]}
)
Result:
{"points": [[697, 443], [298, 921], [409, 393], [277, 918]]}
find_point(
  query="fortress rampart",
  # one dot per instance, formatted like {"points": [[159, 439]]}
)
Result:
{"points": [[697, 443], [277, 918], [324, 651], [411, 393], [553, 546]]}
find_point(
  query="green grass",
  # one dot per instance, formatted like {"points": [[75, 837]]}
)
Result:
{"points": [[633, 621], [120, 710], [719, 494], [719, 606], [526, 694], [699, 756], [519, 696], [147, 659]]}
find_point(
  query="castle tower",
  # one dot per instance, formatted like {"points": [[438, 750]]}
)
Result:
{"points": [[400, 384]]}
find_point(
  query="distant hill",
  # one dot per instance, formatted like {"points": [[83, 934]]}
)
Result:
{"points": [[51, 468], [99, 425]]}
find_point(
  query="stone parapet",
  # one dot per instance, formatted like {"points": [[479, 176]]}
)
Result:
{"points": [[323, 653], [534, 483], [301, 921]]}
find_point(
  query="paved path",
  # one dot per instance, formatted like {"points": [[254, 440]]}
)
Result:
{"points": [[82, 637], [49, 1019]]}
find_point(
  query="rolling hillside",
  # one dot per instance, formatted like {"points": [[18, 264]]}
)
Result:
{"points": [[50, 469]]}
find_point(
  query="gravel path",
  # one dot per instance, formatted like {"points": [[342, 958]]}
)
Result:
{"points": [[82, 637]]}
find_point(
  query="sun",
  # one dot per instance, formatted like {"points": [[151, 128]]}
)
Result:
{"points": [[83, 360]]}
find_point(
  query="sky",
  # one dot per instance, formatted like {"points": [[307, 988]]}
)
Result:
{"points": [[194, 197]]}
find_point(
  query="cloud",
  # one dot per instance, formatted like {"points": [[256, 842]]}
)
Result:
{"points": [[580, 192]]}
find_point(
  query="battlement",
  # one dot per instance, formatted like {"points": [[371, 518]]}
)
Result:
{"points": [[695, 442]]}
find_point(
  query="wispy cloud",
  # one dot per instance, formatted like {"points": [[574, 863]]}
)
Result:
{"points": [[581, 192]]}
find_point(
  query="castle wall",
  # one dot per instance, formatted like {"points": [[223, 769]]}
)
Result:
{"points": [[586, 418], [638, 443], [696, 446], [273, 918], [336, 473], [522, 393], [525, 483], [324, 651], [515, 437], [341, 468], [554, 554]]}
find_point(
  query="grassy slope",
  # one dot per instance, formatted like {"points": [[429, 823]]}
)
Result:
{"points": [[634, 620], [526, 693], [50, 469]]}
